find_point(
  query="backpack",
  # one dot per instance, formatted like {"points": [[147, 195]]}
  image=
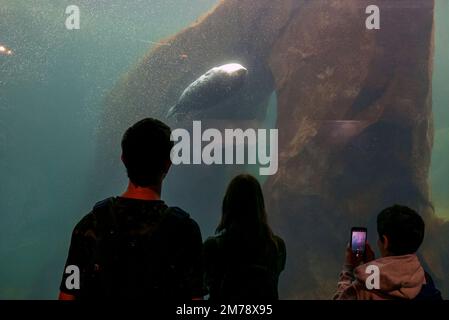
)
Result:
{"points": [[247, 281], [116, 257]]}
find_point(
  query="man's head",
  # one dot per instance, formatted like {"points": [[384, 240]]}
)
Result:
{"points": [[146, 150], [401, 231]]}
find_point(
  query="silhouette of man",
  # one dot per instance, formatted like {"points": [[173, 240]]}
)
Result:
{"points": [[134, 245]]}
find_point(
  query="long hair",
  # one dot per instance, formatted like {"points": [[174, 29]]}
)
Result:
{"points": [[243, 210]]}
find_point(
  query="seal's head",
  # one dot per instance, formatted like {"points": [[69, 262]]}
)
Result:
{"points": [[234, 70], [215, 86]]}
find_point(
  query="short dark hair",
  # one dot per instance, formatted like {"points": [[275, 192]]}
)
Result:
{"points": [[146, 148], [403, 227]]}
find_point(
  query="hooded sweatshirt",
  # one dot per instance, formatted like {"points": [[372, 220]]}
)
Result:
{"points": [[400, 277]]}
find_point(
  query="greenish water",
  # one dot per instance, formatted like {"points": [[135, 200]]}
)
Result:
{"points": [[50, 95]]}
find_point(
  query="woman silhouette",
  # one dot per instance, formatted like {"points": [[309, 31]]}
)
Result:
{"points": [[244, 259]]}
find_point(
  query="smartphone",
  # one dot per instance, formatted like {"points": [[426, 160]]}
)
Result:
{"points": [[358, 240]]}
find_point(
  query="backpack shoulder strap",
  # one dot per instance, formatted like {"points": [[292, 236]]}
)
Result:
{"points": [[177, 213], [172, 218], [104, 214]]}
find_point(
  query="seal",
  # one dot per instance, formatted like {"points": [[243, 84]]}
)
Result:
{"points": [[216, 85]]}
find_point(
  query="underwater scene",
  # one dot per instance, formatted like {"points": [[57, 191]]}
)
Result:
{"points": [[345, 107]]}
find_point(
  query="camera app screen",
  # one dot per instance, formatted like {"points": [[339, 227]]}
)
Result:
{"points": [[358, 241]]}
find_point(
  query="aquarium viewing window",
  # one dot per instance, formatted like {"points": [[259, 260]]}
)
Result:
{"points": [[237, 147]]}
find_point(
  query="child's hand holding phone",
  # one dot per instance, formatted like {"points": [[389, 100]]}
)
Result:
{"points": [[358, 251]]}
